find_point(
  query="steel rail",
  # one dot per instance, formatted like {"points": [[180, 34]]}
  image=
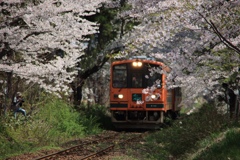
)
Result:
{"points": [[74, 147], [109, 148]]}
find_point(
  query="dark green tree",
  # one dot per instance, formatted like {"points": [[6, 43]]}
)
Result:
{"points": [[103, 45]]}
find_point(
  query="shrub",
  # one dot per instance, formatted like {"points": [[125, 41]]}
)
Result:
{"points": [[98, 114], [62, 119]]}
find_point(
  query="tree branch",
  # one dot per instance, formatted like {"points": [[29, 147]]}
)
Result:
{"points": [[221, 37], [35, 33]]}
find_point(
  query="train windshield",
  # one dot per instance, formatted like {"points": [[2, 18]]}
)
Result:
{"points": [[120, 76], [127, 76], [153, 77]]}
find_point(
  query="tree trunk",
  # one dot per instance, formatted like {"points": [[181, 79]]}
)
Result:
{"points": [[8, 93], [77, 86], [77, 93], [237, 104]]}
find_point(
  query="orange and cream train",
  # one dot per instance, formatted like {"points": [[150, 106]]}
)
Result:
{"points": [[138, 97]]}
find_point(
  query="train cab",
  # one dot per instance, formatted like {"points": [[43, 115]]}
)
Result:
{"points": [[138, 94]]}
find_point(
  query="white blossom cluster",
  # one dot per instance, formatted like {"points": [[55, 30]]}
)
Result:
{"points": [[182, 34], [43, 28]]}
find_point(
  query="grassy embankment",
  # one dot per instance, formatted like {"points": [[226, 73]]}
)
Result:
{"points": [[204, 135], [47, 127]]}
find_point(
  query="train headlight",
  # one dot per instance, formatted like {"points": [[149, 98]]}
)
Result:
{"points": [[134, 64], [120, 96], [137, 64], [153, 96]]}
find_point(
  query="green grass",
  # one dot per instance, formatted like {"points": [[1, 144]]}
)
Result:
{"points": [[226, 149], [184, 135], [49, 126]]}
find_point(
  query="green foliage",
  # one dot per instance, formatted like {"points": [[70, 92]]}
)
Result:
{"points": [[101, 115], [62, 119], [7, 142], [224, 150], [227, 65], [51, 124], [184, 135], [111, 26]]}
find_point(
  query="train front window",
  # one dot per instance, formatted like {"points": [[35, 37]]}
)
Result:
{"points": [[127, 76], [153, 77], [119, 76], [137, 80]]}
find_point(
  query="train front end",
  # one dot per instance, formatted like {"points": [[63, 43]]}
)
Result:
{"points": [[137, 94]]}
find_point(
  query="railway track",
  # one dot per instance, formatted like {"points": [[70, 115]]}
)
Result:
{"points": [[96, 148]]}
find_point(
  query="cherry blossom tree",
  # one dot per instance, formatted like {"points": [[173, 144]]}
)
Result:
{"points": [[45, 40], [192, 37]]}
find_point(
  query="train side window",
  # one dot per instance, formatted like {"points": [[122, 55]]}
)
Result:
{"points": [[119, 76]]}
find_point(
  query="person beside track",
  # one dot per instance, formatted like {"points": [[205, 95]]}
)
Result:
{"points": [[17, 102]]}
